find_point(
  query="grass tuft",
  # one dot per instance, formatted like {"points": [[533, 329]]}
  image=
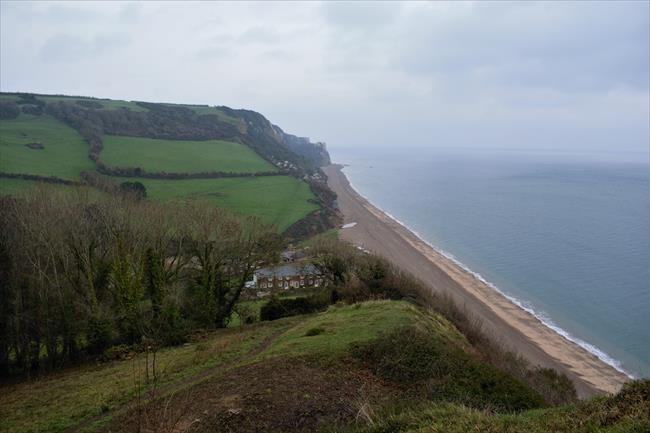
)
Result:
{"points": [[314, 331]]}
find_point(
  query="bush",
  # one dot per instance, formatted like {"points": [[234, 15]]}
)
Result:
{"points": [[99, 335], [8, 110], [437, 370], [121, 351], [89, 104], [556, 388], [136, 189], [173, 327], [277, 308], [35, 110], [314, 331]]}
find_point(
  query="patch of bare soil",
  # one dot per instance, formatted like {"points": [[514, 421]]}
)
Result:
{"points": [[35, 146], [273, 396]]}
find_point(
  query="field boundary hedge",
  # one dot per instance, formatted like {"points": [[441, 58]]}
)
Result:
{"points": [[140, 172], [48, 179]]}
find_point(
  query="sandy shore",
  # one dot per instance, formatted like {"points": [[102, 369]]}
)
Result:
{"points": [[514, 327]]}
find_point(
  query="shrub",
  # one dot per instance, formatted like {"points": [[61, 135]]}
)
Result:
{"points": [[277, 308], [436, 370], [8, 110], [314, 331], [172, 326], [135, 189], [89, 104], [556, 388], [121, 351], [35, 110], [99, 335]]}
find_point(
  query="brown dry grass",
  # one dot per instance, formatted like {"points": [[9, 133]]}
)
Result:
{"points": [[278, 395]]}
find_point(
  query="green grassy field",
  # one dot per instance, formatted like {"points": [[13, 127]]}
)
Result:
{"points": [[64, 155], [18, 186], [278, 200], [182, 156]]}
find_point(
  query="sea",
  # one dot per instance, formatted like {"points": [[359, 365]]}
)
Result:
{"points": [[565, 235]]}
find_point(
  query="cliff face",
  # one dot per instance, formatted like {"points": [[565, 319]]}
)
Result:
{"points": [[175, 121], [278, 146], [314, 152]]}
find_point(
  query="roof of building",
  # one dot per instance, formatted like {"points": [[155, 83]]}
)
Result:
{"points": [[288, 271], [287, 255]]}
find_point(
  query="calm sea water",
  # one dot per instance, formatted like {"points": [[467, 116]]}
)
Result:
{"points": [[568, 236]]}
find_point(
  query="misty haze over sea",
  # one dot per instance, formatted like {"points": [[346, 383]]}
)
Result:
{"points": [[567, 235]]}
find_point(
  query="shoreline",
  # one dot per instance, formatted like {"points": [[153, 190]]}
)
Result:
{"points": [[517, 327], [545, 320]]}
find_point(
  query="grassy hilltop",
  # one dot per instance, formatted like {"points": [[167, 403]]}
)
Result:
{"points": [[336, 371], [233, 158]]}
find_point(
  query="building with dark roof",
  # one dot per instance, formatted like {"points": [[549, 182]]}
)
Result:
{"points": [[288, 276]]}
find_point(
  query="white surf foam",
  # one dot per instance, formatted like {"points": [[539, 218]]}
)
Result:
{"points": [[524, 305]]}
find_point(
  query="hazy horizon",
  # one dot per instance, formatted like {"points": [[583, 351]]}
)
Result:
{"points": [[468, 75]]}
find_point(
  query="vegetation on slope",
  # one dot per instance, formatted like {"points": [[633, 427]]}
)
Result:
{"points": [[79, 276], [108, 104], [626, 412], [170, 142], [362, 364], [223, 351], [43, 146], [56, 402], [115, 303]]}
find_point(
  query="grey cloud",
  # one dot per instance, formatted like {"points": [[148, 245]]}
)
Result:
{"points": [[372, 73], [213, 52], [259, 35], [279, 55], [131, 12], [66, 47], [565, 47], [358, 16]]}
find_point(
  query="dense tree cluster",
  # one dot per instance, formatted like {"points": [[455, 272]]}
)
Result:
{"points": [[34, 110], [136, 189], [78, 276], [90, 104], [9, 110]]}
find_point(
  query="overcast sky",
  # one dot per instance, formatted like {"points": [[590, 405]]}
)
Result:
{"points": [[516, 74]]}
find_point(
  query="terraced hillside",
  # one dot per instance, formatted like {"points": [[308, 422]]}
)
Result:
{"points": [[233, 158]]}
